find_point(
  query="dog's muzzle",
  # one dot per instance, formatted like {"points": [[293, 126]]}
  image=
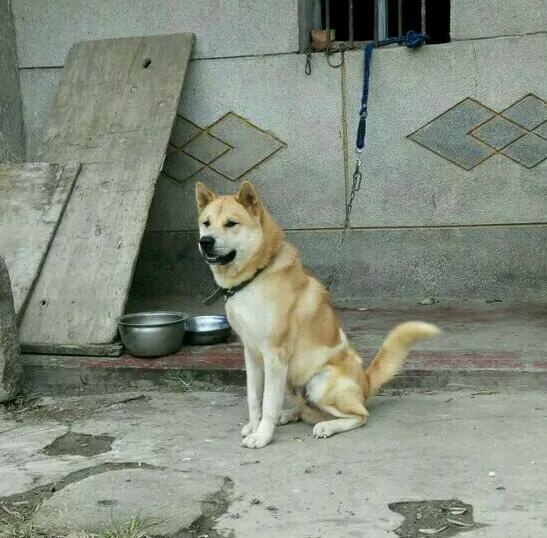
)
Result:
{"points": [[207, 247]]}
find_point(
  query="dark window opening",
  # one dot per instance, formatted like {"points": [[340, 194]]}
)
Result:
{"points": [[437, 18], [357, 21], [438, 21]]}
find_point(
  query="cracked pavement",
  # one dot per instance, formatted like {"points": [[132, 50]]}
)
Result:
{"points": [[484, 449]]}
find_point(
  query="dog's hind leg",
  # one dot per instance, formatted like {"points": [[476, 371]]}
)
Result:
{"points": [[329, 427], [289, 415], [313, 416], [345, 423], [344, 402]]}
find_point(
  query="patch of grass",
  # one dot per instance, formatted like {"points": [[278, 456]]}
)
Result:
{"points": [[188, 381], [183, 380], [23, 402], [18, 526], [13, 524], [134, 528], [19, 529]]}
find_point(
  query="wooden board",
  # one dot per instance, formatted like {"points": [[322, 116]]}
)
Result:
{"points": [[100, 350], [33, 197], [114, 111]]}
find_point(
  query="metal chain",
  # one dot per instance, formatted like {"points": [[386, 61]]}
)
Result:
{"points": [[357, 175], [355, 187], [359, 147], [331, 51], [412, 40], [307, 68]]}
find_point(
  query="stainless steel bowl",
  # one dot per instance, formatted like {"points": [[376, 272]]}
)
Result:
{"points": [[152, 334], [204, 330]]}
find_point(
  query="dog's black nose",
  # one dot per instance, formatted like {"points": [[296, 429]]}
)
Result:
{"points": [[207, 243]]}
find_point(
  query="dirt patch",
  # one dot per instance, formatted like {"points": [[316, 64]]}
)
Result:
{"points": [[79, 444], [441, 519], [34, 408], [213, 507]]}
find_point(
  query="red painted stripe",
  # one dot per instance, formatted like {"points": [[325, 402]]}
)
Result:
{"points": [[230, 358]]}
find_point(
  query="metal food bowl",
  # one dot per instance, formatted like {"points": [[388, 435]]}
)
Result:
{"points": [[152, 334], [206, 330]]}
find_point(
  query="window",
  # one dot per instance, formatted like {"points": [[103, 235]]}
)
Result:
{"points": [[353, 22]]}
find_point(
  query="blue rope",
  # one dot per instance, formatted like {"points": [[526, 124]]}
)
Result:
{"points": [[362, 128], [411, 40]]}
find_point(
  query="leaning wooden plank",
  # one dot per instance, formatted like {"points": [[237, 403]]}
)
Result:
{"points": [[114, 111], [33, 197], [101, 350]]}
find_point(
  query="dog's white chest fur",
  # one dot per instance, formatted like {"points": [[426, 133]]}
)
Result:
{"points": [[250, 316]]}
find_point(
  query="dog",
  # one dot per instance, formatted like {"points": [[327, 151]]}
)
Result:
{"points": [[292, 340]]}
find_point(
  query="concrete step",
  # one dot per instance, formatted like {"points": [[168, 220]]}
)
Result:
{"points": [[484, 347], [222, 366]]}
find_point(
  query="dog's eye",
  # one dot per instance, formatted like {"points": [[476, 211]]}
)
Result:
{"points": [[230, 224], [206, 223]]}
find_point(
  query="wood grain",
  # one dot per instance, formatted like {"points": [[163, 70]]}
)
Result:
{"points": [[33, 197], [100, 350], [114, 112]]}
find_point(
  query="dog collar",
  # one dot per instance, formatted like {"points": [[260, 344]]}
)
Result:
{"points": [[230, 292]]}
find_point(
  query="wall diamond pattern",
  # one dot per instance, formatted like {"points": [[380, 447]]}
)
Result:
{"points": [[528, 150], [529, 112], [230, 147], [498, 132], [470, 133]]}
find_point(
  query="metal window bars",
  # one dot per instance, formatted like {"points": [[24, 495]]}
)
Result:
{"points": [[381, 17]]}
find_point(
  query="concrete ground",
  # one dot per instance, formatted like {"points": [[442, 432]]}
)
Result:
{"points": [[170, 463]]}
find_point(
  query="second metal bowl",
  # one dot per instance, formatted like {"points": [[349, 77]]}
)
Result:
{"points": [[206, 330]]}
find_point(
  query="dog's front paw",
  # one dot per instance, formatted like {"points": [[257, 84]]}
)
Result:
{"points": [[322, 430], [249, 428], [256, 440]]}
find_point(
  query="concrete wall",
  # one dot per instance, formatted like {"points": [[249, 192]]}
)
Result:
{"points": [[46, 29], [475, 19], [11, 120], [476, 262], [439, 212]]}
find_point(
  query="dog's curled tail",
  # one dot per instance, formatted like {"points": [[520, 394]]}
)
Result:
{"points": [[393, 352]]}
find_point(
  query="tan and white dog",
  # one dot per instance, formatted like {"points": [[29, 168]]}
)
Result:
{"points": [[283, 315]]}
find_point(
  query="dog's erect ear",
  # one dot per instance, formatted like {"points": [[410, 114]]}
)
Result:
{"points": [[248, 197], [203, 196]]}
